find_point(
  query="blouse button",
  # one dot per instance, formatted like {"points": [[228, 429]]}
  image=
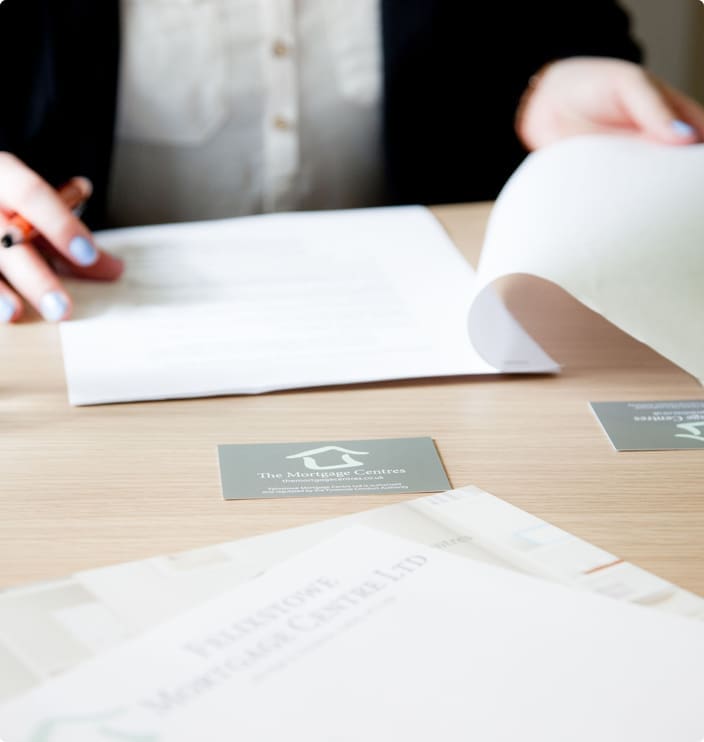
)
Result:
{"points": [[282, 123], [280, 48]]}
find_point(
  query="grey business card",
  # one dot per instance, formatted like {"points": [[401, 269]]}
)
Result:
{"points": [[652, 426], [389, 465]]}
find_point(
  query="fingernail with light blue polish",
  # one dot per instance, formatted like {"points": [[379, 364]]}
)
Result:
{"points": [[53, 306], [83, 251], [7, 309], [683, 129]]}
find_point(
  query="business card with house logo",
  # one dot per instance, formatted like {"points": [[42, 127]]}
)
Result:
{"points": [[653, 426], [387, 466]]}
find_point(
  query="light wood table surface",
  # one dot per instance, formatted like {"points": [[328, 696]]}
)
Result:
{"points": [[85, 487]]}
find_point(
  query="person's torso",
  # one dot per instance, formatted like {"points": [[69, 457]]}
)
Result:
{"points": [[232, 107]]}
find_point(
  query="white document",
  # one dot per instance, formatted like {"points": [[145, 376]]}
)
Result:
{"points": [[307, 299], [281, 301], [52, 627], [369, 637], [617, 223]]}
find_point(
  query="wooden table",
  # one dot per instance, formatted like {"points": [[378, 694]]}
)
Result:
{"points": [[84, 487]]}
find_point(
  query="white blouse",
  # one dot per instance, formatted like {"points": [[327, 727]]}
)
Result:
{"points": [[232, 107]]}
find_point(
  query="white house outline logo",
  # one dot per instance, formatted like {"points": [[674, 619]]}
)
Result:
{"points": [[92, 727], [310, 463]]}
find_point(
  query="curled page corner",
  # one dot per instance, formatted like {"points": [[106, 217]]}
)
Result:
{"points": [[617, 223], [500, 340]]}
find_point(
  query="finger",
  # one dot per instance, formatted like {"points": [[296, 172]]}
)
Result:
{"points": [[650, 110], [24, 268], [24, 192], [107, 267], [688, 109], [10, 304]]}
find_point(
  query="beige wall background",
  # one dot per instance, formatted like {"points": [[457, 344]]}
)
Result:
{"points": [[672, 34]]}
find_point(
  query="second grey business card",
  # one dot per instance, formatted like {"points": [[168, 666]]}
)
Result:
{"points": [[653, 426]]}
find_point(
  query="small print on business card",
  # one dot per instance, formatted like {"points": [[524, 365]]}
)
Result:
{"points": [[653, 426], [356, 467]]}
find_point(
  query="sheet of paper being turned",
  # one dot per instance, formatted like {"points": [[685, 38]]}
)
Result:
{"points": [[617, 223]]}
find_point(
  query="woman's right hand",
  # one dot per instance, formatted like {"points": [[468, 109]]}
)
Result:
{"points": [[25, 274]]}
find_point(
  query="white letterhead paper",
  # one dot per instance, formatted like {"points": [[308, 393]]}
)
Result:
{"points": [[369, 637], [281, 301], [54, 626], [616, 222]]}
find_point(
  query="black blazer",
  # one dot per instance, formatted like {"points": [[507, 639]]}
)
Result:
{"points": [[453, 73]]}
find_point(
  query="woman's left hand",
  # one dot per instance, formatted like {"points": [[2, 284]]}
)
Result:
{"points": [[598, 95]]}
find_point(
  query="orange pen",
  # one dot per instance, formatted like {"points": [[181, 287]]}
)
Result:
{"points": [[74, 194]]}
